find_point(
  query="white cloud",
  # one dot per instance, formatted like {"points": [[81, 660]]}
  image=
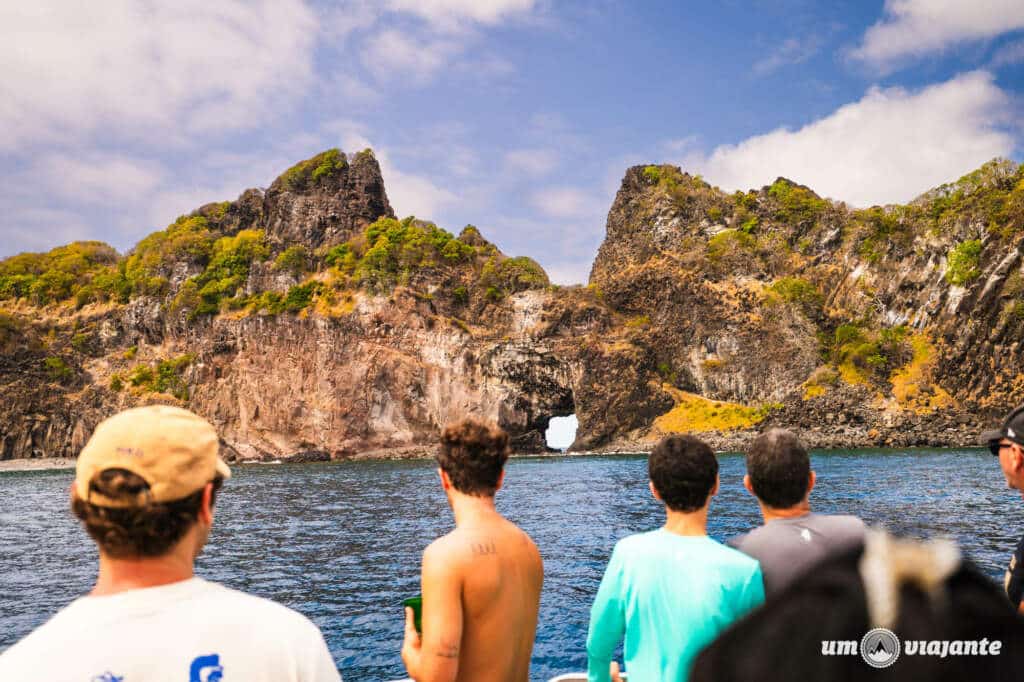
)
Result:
{"points": [[406, 52], [449, 13], [681, 144], [351, 17], [352, 90], [1013, 53], [912, 28], [393, 55], [133, 66], [99, 178], [889, 146], [569, 272], [531, 161], [412, 194], [562, 202], [41, 229], [791, 51], [354, 135]]}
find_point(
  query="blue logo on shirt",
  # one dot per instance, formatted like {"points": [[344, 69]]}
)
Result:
{"points": [[107, 677], [206, 669]]}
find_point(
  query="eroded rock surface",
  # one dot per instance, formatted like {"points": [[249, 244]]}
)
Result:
{"points": [[307, 322]]}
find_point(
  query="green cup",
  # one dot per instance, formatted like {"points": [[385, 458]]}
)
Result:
{"points": [[416, 604]]}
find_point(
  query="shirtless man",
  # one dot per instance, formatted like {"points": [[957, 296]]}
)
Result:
{"points": [[481, 582]]}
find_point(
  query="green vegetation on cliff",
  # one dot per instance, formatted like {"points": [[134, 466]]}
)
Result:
{"points": [[963, 262], [310, 172], [294, 259], [224, 275], [58, 369], [863, 353], [162, 376], [393, 252], [80, 269], [390, 251], [879, 229], [796, 204], [10, 329], [992, 195], [798, 292], [502, 278], [187, 240]]}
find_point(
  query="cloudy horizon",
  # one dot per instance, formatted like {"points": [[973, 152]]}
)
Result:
{"points": [[518, 116]]}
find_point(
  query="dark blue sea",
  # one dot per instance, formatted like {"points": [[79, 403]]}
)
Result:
{"points": [[341, 542]]}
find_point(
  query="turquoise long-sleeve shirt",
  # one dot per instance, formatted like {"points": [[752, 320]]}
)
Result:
{"points": [[669, 595]]}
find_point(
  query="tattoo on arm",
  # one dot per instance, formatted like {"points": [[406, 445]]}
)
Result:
{"points": [[484, 548], [447, 650]]}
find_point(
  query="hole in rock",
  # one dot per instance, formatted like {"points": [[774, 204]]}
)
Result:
{"points": [[561, 432]]}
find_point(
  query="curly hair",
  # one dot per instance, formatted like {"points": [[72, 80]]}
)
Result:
{"points": [[149, 530], [779, 468], [683, 470], [473, 453]]}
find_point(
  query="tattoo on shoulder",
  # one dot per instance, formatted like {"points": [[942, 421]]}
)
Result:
{"points": [[447, 650], [484, 547]]}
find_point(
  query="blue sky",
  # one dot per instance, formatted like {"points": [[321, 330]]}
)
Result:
{"points": [[519, 116]]}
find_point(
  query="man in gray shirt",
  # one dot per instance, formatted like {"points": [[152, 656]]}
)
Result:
{"points": [[792, 538]]}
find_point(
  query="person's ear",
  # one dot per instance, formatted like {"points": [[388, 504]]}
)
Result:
{"points": [[206, 506], [714, 491], [748, 484], [1018, 455], [501, 480], [811, 480], [446, 482], [654, 491]]}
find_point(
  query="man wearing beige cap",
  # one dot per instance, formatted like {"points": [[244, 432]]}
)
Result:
{"points": [[144, 489]]}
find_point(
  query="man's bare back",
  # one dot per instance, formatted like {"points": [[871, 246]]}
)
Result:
{"points": [[481, 582], [481, 594]]}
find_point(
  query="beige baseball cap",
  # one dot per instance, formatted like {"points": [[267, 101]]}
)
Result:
{"points": [[172, 449]]}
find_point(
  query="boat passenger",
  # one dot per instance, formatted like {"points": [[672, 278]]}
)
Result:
{"points": [[144, 488], [946, 622], [1007, 443], [793, 538], [670, 591], [481, 582]]}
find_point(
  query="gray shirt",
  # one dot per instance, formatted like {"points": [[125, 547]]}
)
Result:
{"points": [[788, 547]]}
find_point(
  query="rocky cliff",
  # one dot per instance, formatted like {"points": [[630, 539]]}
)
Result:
{"points": [[307, 321], [895, 325]]}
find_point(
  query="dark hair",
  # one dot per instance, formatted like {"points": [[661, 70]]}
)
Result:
{"points": [[783, 640], [779, 468], [683, 471], [150, 530], [473, 453]]}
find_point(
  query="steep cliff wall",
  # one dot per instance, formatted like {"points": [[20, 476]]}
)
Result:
{"points": [[889, 325], [306, 321]]}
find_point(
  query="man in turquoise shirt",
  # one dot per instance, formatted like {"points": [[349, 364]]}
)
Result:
{"points": [[672, 590]]}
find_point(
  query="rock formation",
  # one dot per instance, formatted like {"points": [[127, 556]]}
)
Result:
{"points": [[308, 322]]}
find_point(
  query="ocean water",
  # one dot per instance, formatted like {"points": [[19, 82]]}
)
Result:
{"points": [[341, 542]]}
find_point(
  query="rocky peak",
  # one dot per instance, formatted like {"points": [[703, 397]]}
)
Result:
{"points": [[325, 200], [308, 319]]}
